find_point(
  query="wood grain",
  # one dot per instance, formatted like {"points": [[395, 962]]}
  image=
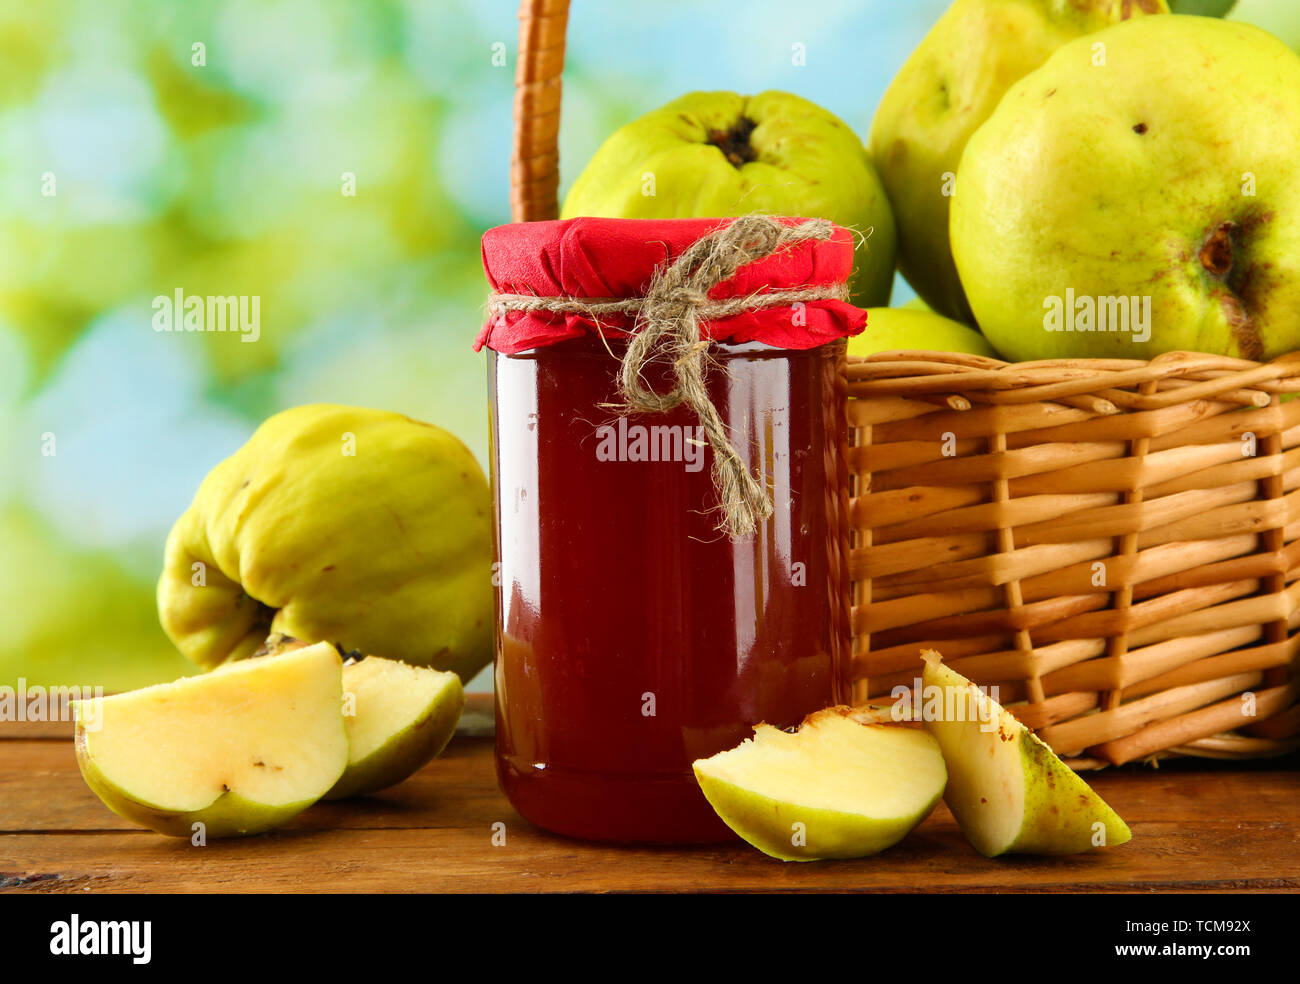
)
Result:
{"points": [[1197, 827]]}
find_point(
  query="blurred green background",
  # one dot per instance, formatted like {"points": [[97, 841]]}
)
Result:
{"points": [[226, 178]]}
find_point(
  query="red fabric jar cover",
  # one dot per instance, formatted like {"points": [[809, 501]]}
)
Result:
{"points": [[603, 259]]}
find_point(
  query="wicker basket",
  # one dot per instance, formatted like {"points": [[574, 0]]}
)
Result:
{"points": [[1114, 544]]}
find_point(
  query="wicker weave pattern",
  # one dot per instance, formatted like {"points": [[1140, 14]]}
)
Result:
{"points": [[1114, 544], [1093, 537]]}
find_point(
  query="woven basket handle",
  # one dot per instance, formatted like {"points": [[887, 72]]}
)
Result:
{"points": [[535, 160]]}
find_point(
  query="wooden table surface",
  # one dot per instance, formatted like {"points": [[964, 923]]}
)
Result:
{"points": [[1197, 826]]}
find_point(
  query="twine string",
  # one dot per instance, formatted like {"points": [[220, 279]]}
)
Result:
{"points": [[668, 319]]}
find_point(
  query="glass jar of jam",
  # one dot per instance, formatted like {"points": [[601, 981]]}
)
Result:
{"points": [[634, 635]]}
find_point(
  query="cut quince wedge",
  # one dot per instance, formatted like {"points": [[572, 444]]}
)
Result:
{"points": [[241, 749], [398, 717], [836, 788], [1008, 790]]}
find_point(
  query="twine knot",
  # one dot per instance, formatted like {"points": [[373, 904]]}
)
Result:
{"points": [[668, 320]]}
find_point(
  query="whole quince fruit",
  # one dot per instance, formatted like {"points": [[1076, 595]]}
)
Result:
{"points": [[908, 329], [362, 528], [721, 154], [1144, 205], [950, 85]]}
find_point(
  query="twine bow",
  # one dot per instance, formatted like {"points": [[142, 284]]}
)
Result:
{"points": [[668, 319]]}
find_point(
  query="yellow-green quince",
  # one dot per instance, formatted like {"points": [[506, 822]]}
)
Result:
{"points": [[950, 85], [362, 528], [894, 329], [722, 154], [1139, 198]]}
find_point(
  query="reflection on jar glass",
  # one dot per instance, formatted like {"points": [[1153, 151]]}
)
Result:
{"points": [[633, 636]]}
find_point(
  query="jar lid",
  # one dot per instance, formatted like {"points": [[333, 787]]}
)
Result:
{"points": [[589, 260]]}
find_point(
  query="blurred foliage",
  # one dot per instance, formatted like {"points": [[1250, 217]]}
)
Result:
{"points": [[219, 171], [224, 175], [85, 621]]}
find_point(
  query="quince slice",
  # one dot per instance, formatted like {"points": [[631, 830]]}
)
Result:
{"points": [[1006, 787], [402, 716], [836, 788], [240, 750], [398, 717]]}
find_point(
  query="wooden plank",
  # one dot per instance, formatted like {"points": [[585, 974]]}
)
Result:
{"points": [[1197, 827], [41, 792], [29, 730], [931, 860], [30, 773]]}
